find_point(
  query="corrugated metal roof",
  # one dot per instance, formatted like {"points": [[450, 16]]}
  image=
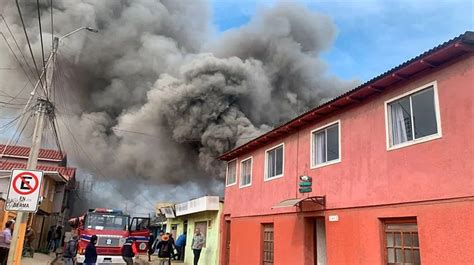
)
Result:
{"points": [[390, 77], [66, 172], [23, 151]]}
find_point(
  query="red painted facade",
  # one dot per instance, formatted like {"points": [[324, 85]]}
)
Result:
{"points": [[431, 182]]}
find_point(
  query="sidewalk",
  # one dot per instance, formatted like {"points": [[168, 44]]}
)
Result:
{"points": [[39, 259]]}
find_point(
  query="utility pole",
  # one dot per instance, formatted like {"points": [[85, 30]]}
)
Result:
{"points": [[44, 108]]}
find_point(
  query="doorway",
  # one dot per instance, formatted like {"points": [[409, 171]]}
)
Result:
{"points": [[319, 233], [227, 243]]}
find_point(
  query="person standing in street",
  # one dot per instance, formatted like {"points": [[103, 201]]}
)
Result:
{"points": [[129, 250], [5, 239], [50, 238], [165, 250], [198, 243], [174, 251], [157, 240], [180, 245], [57, 237], [151, 240], [29, 238], [70, 251], [91, 252]]}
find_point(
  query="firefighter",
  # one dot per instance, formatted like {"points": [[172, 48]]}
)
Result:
{"points": [[129, 250]]}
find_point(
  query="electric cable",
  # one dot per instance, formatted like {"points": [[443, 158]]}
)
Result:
{"points": [[29, 47], [16, 58], [19, 49], [40, 33]]}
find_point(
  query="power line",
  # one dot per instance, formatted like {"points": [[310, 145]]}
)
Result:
{"points": [[19, 49], [29, 46], [16, 58], [52, 27], [41, 32]]}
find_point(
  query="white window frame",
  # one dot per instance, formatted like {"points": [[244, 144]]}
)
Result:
{"points": [[335, 161], [227, 173], [251, 172], [388, 129], [265, 173]]}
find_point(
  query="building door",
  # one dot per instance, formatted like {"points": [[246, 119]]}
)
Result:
{"points": [[227, 243], [268, 244], [320, 242], [174, 231]]}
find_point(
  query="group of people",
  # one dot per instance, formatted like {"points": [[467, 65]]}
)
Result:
{"points": [[165, 246], [5, 241], [54, 237], [169, 249]]}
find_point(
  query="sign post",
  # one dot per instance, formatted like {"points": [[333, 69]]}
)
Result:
{"points": [[305, 184], [23, 192]]}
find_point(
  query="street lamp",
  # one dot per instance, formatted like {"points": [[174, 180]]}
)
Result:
{"points": [[57, 40], [79, 29]]}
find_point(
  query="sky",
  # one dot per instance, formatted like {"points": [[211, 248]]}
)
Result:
{"points": [[373, 35]]}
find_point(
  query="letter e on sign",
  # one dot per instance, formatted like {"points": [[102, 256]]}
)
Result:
{"points": [[24, 190]]}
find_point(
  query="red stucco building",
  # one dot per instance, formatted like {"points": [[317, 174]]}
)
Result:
{"points": [[392, 171]]}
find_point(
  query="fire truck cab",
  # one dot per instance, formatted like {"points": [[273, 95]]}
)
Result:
{"points": [[112, 228]]}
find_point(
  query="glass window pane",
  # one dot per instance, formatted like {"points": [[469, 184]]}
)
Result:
{"points": [[408, 255], [391, 255], [416, 256], [279, 160], [402, 227], [399, 255], [271, 164], [398, 239], [389, 239], [333, 143], [415, 240], [231, 172], [407, 239], [400, 116], [424, 114], [246, 172], [320, 147]]}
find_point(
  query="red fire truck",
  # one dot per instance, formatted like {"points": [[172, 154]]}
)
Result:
{"points": [[112, 228]]}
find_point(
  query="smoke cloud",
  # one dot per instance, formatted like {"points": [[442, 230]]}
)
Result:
{"points": [[154, 98]]}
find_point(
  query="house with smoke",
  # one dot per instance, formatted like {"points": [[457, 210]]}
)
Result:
{"points": [[56, 194], [205, 214], [382, 174]]}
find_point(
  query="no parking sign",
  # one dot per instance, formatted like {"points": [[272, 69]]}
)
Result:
{"points": [[24, 190]]}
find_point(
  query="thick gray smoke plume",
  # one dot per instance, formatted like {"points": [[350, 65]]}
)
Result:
{"points": [[154, 68]]}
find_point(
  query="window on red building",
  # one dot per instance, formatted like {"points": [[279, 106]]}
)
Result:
{"points": [[401, 242], [231, 173], [413, 117], [274, 162], [268, 247], [325, 145], [246, 172]]}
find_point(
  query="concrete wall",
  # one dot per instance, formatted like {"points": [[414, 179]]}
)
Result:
{"points": [[445, 235], [210, 253], [368, 174], [431, 181]]}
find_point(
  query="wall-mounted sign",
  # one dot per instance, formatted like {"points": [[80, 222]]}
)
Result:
{"points": [[305, 184], [333, 218]]}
